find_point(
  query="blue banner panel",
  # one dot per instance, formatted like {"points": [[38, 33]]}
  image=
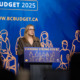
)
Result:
{"points": [[19, 5], [41, 55]]}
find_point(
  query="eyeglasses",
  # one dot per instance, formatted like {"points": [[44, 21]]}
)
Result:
{"points": [[31, 29]]}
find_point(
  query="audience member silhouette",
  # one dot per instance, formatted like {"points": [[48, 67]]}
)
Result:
{"points": [[5, 74], [75, 67]]}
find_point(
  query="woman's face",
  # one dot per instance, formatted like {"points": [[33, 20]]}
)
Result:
{"points": [[31, 31]]}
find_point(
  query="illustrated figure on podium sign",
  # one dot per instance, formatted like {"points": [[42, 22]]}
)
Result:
{"points": [[9, 61], [21, 35], [44, 39], [76, 43], [64, 56], [31, 56]]}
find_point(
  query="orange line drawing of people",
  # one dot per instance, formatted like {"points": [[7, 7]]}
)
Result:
{"points": [[76, 43], [6, 54], [0, 42], [21, 32], [44, 39], [64, 56]]}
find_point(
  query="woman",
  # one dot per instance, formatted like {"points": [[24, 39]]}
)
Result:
{"points": [[29, 40]]}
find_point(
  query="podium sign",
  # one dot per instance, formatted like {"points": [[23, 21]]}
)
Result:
{"points": [[41, 55]]}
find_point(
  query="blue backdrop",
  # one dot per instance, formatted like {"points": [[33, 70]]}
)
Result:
{"points": [[57, 24]]}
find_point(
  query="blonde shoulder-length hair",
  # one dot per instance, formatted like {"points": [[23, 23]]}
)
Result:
{"points": [[26, 30]]}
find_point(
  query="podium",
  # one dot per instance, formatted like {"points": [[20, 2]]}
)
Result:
{"points": [[40, 59], [41, 55]]}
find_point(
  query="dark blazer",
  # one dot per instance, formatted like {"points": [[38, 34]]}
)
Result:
{"points": [[23, 43], [20, 51]]}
